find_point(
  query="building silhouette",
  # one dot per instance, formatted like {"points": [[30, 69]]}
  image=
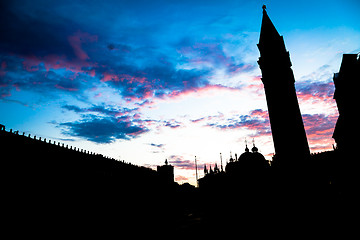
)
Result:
{"points": [[290, 142], [166, 172], [297, 187], [346, 132], [250, 164], [51, 186], [347, 85]]}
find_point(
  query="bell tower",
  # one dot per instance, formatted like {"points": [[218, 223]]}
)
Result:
{"points": [[290, 142]]}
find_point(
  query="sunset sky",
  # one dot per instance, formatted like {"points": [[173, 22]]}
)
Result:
{"points": [[144, 81]]}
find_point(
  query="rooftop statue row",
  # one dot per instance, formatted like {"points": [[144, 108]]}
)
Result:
{"points": [[50, 142]]}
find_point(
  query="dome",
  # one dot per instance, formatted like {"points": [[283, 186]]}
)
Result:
{"points": [[246, 148], [245, 156], [254, 149], [252, 159], [247, 161], [259, 160]]}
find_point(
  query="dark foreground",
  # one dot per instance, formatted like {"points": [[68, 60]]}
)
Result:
{"points": [[49, 190]]}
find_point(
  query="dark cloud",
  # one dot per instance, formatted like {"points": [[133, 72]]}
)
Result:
{"points": [[108, 125], [35, 31], [102, 129], [172, 123], [161, 145], [56, 52], [73, 108], [159, 148], [42, 81], [117, 123], [154, 80]]}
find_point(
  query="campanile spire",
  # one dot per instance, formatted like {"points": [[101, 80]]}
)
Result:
{"points": [[290, 142]]}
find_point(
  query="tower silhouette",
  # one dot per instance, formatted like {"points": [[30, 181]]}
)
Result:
{"points": [[347, 84], [287, 127]]}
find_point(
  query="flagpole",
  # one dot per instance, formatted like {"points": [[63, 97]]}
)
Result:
{"points": [[196, 171]]}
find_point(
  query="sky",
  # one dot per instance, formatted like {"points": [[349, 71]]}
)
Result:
{"points": [[144, 81]]}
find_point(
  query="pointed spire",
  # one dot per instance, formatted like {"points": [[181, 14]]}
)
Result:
{"points": [[196, 171], [221, 166], [205, 170], [254, 149], [216, 169], [268, 31], [246, 147]]}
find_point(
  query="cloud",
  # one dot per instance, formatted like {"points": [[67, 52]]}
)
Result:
{"points": [[316, 86], [77, 40], [181, 178], [104, 124], [199, 91], [209, 55], [181, 163], [257, 120], [76, 57], [161, 145], [102, 109], [315, 91], [151, 81], [319, 129], [172, 123], [102, 129], [28, 33], [43, 75]]}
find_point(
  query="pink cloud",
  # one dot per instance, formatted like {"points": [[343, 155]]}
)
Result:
{"points": [[255, 85], [319, 129], [136, 116], [34, 63], [77, 40], [179, 178], [17, 87], [198, 91], [31, 63], [2, 68], [315, 92], [66, 88], [123, 78], [181, 163], [131, 79], [109, 77], [260, 113], [92, 73]]}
